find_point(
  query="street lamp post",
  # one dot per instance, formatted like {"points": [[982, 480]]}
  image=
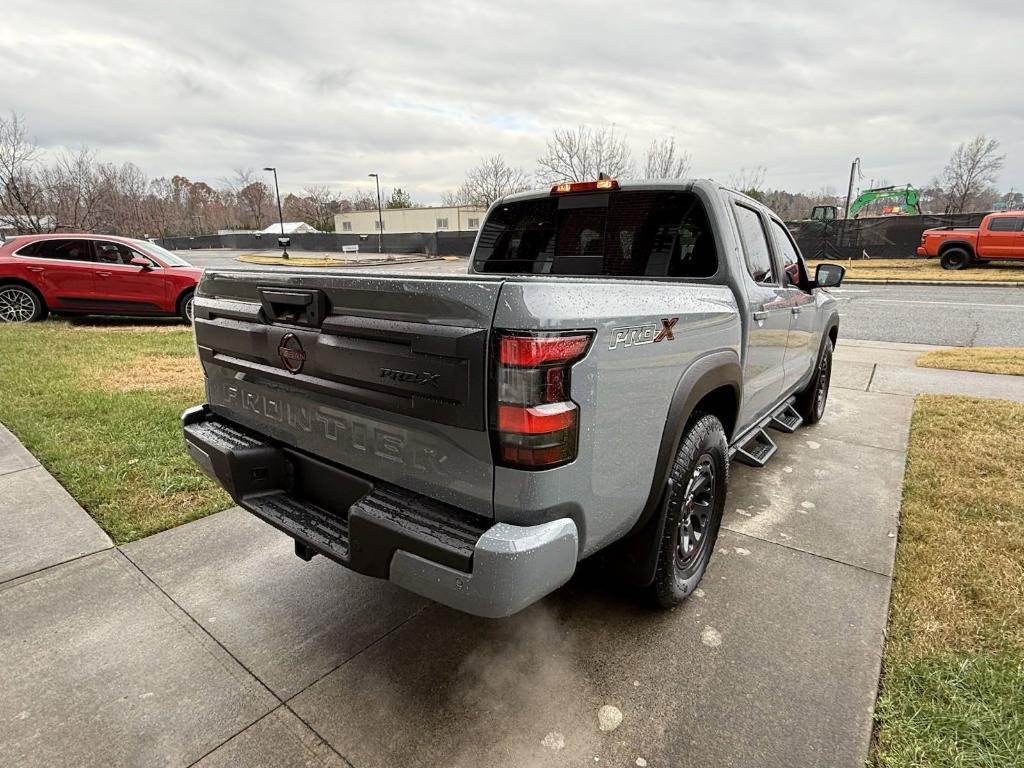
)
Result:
{"points": [[280, 214], [380, 217]]}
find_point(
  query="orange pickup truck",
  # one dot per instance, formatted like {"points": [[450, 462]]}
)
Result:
{"points": [[1000, 236]]}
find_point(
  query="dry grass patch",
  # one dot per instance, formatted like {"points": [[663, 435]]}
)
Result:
{"points": [[150, 372], [1006, 360], [927, 269]]}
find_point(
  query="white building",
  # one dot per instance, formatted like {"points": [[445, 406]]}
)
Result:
{"points": [[406, 220]]}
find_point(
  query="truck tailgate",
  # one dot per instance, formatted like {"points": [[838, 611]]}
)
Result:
{"points": [[384, 375]]}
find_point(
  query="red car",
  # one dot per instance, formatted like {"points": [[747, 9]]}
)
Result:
{"points": [[92, 274]]}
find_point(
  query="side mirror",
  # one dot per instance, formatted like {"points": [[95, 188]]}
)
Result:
{"points": [[138, 261], [829, 275]]}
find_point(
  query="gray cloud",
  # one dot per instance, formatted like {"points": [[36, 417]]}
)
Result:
{"points": [[418, 93]]}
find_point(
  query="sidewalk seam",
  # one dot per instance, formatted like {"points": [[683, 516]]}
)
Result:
{"points": [[45, 568], [37, 465], [281, 702], [871, 378], [811, 554]]}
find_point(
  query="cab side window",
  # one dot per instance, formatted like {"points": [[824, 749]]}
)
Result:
{"points": [[792, 264], [1003, 224], [755, 245]]}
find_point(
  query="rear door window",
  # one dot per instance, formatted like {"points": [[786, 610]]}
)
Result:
{"points": [[755, 245], [658, 233], [65, 250]]}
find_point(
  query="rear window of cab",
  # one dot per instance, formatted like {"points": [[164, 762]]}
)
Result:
{"points": [[620, 233]]}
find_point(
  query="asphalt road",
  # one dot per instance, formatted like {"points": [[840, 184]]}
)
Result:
{"points": [[926, 314], [919, 314]]}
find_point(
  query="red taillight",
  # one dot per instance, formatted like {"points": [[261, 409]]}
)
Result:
{"points": [[537, 419], [531, 351], [584, 186], [535, 424]]}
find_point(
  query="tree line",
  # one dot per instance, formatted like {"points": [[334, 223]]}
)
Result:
{"points": [[76, 191]]}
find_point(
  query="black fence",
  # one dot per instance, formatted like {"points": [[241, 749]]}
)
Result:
{"points": [[430, 243], [886, 237]]}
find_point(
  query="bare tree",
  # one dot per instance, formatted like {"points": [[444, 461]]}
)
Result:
{"points": [[971, 173], [316, 205], [749, 181], [487, 182], [364, 201], [22, 198], [664, 163], [584, 153], [453, 199]]}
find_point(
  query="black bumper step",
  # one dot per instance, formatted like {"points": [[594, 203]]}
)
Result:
{"points": [[357, 521]]}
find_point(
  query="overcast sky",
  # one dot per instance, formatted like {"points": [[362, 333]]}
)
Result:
{"points": [[420, 91]]}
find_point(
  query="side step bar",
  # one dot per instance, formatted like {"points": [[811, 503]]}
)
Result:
{"points": [[787, 419], [756, 448]]}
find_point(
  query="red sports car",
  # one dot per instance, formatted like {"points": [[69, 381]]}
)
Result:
{"points": [[94, 275]]}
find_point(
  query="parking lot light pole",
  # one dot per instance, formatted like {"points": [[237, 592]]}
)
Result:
{"points": [[280, 214], [380, 217]]}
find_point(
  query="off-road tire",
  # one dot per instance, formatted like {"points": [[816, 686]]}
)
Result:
{"points": [[810, 403], [21, 304], [680, 567], [185, 307], [955, 258]]}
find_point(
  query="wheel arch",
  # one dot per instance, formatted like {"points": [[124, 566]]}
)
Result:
{"points": [[712, 384], [969, 247]]}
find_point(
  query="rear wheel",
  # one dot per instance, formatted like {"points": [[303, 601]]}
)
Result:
{"points": [[955, 258], [20, 304], [810, 403], [696, 500]]}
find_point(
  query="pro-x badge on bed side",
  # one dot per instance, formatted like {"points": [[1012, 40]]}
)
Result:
{"points": [[648, 333]]}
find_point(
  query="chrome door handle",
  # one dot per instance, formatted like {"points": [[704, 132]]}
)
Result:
{"points": [[761, 315]]}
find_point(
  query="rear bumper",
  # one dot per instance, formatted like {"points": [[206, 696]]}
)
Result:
{"points": [[921, 251], [433, 549]]}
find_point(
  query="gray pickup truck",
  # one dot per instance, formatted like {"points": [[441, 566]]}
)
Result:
{"points": [[581, 390]]}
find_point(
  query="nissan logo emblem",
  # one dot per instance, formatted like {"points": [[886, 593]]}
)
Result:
{"points": [[292, 355]]}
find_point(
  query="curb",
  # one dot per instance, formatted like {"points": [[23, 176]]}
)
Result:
{"points": [[968, 283]]}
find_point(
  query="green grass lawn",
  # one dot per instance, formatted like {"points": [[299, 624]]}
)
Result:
{"points": [[98, 405], [953, 680]]}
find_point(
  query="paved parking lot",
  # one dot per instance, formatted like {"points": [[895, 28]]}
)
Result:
{"points": [[212, 642]]}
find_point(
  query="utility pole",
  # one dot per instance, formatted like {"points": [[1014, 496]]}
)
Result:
{"points": [[854, 167], [280, 215], [380, 217]]}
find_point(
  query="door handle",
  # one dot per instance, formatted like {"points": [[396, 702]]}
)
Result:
{"points": [[34, 269], [796, 310], [761, 314], [104, 274]]}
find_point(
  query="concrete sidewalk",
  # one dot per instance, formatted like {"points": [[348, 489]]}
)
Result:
{"points": [[212, 644], [878, 366]]}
